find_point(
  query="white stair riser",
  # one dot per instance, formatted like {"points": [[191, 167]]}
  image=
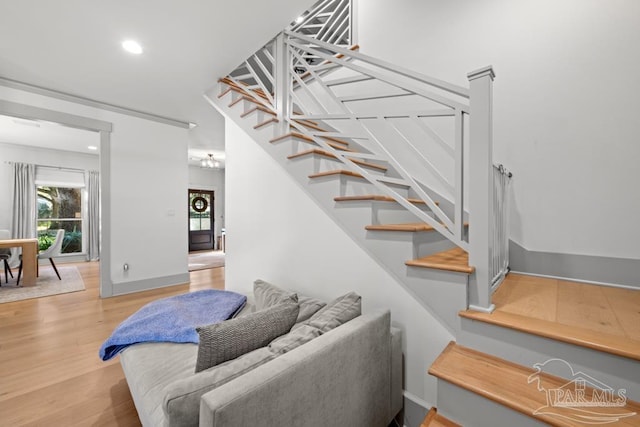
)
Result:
{"points": [[527, 349], [442, 293], [257, 116], [318, 163], [343, 185], [394, 213], [268, 131], [472, 410]]}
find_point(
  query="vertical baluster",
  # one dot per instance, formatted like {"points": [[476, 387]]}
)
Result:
{"points": [[458, 213], [282, 83]]}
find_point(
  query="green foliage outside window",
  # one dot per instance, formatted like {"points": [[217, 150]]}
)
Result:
{"points": [[60, 208]]}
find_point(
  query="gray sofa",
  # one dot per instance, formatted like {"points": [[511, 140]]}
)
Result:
{"points": [[348, 376]]}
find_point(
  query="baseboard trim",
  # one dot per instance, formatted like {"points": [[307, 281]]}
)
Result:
{"points": [[487, 310], [124, 288], [588, 282], [607, 271], [414, 410]]}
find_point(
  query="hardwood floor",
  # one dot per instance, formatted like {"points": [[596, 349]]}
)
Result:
{"points": [[599, 317], [50, 372]]}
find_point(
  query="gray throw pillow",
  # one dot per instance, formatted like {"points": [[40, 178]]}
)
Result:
{"points": [[232, 338], [268, 295], [308, 307], [336, 313]]}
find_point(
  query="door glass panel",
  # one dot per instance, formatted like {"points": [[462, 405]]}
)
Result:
{"points": [[199, 211]]}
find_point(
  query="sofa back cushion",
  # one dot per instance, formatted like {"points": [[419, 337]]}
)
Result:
{"points": [[267, 294], [336, 313]]}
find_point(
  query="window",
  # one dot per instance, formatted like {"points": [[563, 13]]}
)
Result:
{"points": [[60, 207]]}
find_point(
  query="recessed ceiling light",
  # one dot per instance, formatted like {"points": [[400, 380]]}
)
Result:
{"points": [[132, 46], [92, 147]]}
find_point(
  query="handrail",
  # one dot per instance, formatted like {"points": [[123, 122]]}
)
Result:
{"points": [[440, 84]]}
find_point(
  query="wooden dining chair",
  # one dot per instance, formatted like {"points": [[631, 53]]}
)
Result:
{"points": [[5, 255]]}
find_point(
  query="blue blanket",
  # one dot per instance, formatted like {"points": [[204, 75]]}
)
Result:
{"points": [[173, 319]]}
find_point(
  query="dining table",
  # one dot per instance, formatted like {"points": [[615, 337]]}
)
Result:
{"points": [[29, 258]]}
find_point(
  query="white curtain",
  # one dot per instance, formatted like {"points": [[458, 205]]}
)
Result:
{"points": [[93, 216], [23, 214]]}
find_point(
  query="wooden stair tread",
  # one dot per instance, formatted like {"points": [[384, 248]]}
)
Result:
{"points": [[336, 172], [309, 125], [325, 153], [508, 384], [410, 226], [455, 259], [608, 343], [265, 123], [434, 419], [232, 86], [376, 198], [244, 98], [298, 135]]}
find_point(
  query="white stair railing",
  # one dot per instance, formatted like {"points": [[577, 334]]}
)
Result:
{"points": [[431, 134], [328, 21], [379, 132]]}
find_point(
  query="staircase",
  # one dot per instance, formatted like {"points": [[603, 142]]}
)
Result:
{"points": [[382, 149]]}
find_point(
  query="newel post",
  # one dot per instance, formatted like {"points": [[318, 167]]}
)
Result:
{"points": [[481, 187], [281, 81]]}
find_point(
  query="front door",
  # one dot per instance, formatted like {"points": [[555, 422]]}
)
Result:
{"points": [[200, 220]]}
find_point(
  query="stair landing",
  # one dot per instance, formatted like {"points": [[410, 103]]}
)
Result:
{"points": [[602, 318]]}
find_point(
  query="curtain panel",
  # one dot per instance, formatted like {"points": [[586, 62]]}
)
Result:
{"points": [[23, 214], [93, 216]]}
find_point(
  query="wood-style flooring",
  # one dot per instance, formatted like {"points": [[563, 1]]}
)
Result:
{"points": [[50, 372], [598, 317]]}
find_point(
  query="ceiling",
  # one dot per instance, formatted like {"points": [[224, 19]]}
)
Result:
{"points": [[74, 47]]}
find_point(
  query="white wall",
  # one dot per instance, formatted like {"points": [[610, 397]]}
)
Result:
{"points": [[277, 233], [212, 180], [565, 107], [148, 181]]}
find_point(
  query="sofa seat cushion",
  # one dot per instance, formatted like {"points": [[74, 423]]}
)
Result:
{"points": [[164, 386], [149, 368]]}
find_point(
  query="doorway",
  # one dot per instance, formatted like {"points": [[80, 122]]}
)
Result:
{"points": [[103, 129], [201, 220]]}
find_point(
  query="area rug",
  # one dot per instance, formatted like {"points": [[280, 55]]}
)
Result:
{"points": [[205, 259], [47, 284]]}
